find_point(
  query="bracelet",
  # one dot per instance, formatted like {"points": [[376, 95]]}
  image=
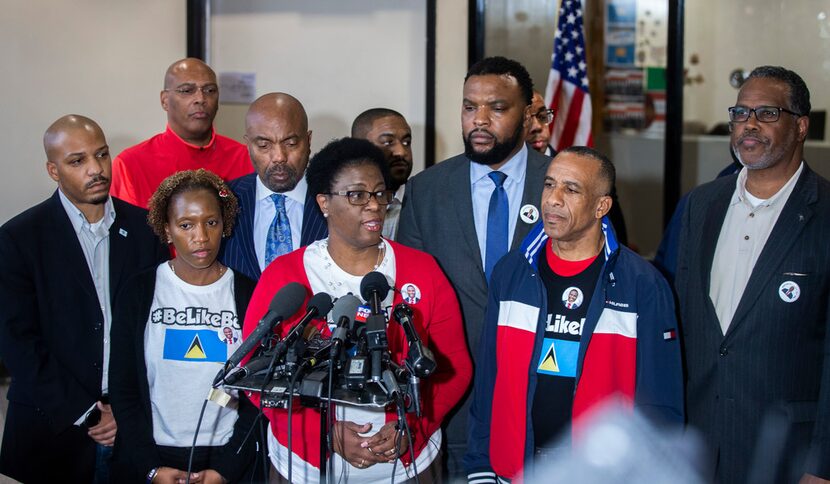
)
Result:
{"points": [[152, 474]]}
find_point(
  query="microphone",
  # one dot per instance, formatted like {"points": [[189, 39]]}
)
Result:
{"points": [[343, 314], [253, 366], [374, 288], [319, 305], [419, 358], [285, 303], [392, 388]]}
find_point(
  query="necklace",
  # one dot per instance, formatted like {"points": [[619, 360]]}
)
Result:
{"points": [[331, 268], [222, 269]]}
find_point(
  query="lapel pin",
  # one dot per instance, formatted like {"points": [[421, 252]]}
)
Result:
{"points": [[122, 232], [529, 214], [789, 291]]}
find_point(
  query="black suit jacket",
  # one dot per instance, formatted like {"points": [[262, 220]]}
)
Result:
{"points": [[771, 367], [437, 218], [52, 332], [238, 251]]}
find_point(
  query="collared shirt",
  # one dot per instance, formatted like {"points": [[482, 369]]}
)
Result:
{"points": [[744, 233], [393, 214], [482, 188], [95, 243], [265, 212]]}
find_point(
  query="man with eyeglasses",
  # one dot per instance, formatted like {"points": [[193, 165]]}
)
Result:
{"points": [[389, 131], [276, 212], [538, 132], [752, 283], [191, 99], [469, 210]]}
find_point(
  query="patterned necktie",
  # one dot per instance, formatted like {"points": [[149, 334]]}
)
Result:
{"points": [[279, 235], [497, 226]]}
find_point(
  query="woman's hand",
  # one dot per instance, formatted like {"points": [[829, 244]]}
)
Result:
{"points": [[210, 476], [348, 442], [382, 444]]}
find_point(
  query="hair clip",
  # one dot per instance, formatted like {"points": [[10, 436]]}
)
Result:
{"points": [[223, 192]]}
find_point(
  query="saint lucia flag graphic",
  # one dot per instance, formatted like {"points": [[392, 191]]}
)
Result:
{"points": [[558, 357], [194, 345]]}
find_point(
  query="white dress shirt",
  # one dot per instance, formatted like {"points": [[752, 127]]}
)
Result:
{"points": [[265, 212], [746, 228]]}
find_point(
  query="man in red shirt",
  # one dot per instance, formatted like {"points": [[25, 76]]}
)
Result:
{"points": [[191, 99]]}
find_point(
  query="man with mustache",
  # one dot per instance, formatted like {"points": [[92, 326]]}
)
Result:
{"points": [[276, 213], [63, 261], [752, 282], [552, 362], [191, 99], [389, 131], [469, 210]]}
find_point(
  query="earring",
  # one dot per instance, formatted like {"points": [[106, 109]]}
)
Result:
{"points": [[325, 215]]}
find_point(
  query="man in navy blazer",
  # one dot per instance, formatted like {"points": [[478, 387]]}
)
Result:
{"points": [[446, 208], [279, 143], [753, 277], [62, 263]]}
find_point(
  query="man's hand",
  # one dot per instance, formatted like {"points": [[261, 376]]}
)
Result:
{"points": [[382, 444], [811, 479], [169, 475], [104, 431]]}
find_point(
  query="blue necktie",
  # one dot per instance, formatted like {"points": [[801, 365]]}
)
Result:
{"points": [[279, 235], [497, 226]]}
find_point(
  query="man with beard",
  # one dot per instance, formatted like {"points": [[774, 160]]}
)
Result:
{"points": [[191, 99], [276, 214], [389, 131], [752, 282], [469, 210], [63, 261]]}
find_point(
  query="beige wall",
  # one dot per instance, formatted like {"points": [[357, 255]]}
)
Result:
{"points": [[103, 59]]}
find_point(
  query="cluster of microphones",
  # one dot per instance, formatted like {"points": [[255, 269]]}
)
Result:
{"points": [[354, 361]]}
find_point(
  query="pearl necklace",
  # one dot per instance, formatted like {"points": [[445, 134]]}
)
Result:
{"points": [[334, 285]]}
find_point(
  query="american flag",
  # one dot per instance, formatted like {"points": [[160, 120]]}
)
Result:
{"points": [[567, 88]]}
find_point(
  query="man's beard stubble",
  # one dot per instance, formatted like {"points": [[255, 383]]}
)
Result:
{"points": [[500, 150]]}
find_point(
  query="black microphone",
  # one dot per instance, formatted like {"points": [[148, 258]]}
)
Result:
{"points": [[419, 358], [285, 303], [392, 388], [373, 289], [253, 366], [343, 314], [319, 305]]}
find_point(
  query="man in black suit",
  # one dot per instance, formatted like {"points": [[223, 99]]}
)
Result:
{"points": [[276, 213], [447, 209], [753, 287], [63, 261]]}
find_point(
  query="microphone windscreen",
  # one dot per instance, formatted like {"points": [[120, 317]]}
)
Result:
{"points": [[345, 306], [321, 303], [374, 282], [288, 300]]}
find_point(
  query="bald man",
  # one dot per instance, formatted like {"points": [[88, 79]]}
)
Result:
{"points": [[191, 99], [389, 131], [276, 214], [63, 262]]}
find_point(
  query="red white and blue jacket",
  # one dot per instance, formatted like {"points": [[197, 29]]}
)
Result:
{"points": [[628, 350]]}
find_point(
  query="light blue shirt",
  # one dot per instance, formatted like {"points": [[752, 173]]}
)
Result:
{"points": [[95, 244], [482, 186], [265, 211]]}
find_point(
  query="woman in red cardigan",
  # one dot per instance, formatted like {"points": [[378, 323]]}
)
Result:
{"points": [[350, 178]]}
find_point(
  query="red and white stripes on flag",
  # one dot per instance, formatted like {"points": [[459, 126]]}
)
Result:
{"points": [[567, 88]]}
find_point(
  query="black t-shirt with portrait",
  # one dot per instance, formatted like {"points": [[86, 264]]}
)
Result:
{"points": [[569, 285]]}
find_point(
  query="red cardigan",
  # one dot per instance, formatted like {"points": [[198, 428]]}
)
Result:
{"points": [[437, 320]]}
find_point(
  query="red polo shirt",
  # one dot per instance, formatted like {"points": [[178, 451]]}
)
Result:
{"points": [[138, 171]]}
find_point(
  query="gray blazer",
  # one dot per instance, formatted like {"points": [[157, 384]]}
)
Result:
{"points": [[770, 367], [437, 218]]}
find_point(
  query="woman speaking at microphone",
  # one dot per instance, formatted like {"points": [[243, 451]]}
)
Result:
{"points": [[173, 328], [350, 180]]}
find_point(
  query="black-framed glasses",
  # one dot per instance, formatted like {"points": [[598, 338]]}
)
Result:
{"points": [[764, 114], [544, 117], [188, 90], [361, 197]]}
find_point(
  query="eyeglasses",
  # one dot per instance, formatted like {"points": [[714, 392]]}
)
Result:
{"points": [[764, 114], [544, 117], [361, 197], [188, 90]]}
